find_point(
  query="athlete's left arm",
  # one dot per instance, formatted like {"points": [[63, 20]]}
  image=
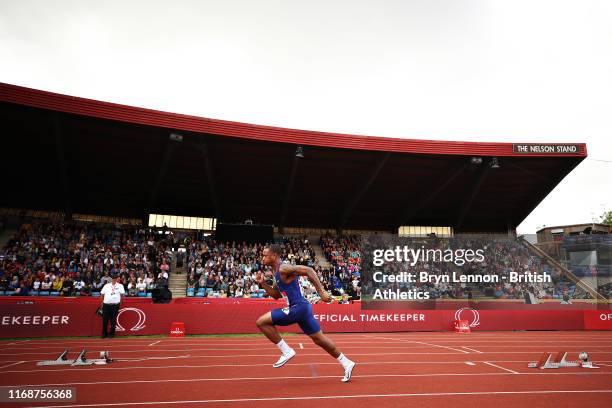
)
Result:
{"points": [[301, 270]]}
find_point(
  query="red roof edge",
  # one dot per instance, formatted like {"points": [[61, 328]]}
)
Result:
{"points": [[123, 113]]}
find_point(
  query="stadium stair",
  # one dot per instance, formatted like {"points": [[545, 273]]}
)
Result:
{"points": [[320, 256], [177, 281], [564, 271]]}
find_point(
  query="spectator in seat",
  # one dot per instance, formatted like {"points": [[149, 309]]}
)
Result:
{"points": [[191, 281], [14, 283], [352, 292], [150, 281], [67, 286], [97, 285], [210, 281], [141, 286], [240, 282], [105, 279], [57, 284], [4, 284], [79, 285], [202, 282], [254, 287], [217, 284], [131, 287], [163, 276], [337, 289], [223, 287], [46, 284], [199, 269], [23, 289]]}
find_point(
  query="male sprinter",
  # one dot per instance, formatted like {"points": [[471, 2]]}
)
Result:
{"points": [[286, 278]]}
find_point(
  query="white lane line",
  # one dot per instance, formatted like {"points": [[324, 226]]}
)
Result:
{"points": [[562, 344], [248, 365], [214, 356], [301, 346], [183, 380], [388, 345], [421, 342], [13, 364], [324, 397], [151, 358], [160, 350], [501, 368], [154, 343], [444, 347], [234, 356], [17, 342]]}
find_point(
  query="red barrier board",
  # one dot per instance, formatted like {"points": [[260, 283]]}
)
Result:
{"points": [[598, 320], [35, 318]]}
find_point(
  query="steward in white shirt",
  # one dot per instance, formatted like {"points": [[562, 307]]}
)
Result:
{"points": [[111, 300]]}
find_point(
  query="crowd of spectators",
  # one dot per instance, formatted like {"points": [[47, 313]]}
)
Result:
{"points": [[70, 259], [228, 269], [74, 258], [344, 254]]}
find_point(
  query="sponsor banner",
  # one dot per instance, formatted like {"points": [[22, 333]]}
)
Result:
{"points": [[177, 329], [69, 318], [598, 320]]}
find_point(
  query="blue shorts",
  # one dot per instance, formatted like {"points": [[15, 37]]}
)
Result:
{"points": [[300, 314]]}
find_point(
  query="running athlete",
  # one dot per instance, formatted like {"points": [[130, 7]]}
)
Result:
{"points": [[286, 279]]}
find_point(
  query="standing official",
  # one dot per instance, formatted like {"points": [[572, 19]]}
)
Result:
{"points": [[111, 300]]}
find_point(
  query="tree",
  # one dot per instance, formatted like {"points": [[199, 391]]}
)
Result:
{"points": [[606, 218]]}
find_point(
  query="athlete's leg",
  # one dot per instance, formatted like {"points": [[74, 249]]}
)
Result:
{"points": [[264, 323], [311, 327], [325, 343], [328, 345]]}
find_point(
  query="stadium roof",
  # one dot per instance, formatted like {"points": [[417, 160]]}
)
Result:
{"points": [[78, 155]]}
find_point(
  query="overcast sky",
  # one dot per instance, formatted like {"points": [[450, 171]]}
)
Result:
{"points": [[469, 70]]}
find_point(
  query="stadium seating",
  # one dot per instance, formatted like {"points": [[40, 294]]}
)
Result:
{"points": [[88, 253]]}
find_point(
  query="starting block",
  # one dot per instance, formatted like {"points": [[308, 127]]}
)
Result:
{"points": [[61, 360], [81, 359], [559, 361]]}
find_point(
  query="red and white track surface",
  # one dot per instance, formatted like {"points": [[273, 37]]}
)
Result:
{"points": [[481, 369]]}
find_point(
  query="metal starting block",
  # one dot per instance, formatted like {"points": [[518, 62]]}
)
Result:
{"points": [[81, 359], [559, 361]]}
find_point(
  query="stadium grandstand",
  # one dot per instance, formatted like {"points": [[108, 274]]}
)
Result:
{"points": [[191, 215], [99, 174]]}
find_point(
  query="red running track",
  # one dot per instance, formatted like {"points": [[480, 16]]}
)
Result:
{"points": [[394, 370]]}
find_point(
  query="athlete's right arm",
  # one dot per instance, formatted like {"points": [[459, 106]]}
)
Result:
{"points": [[271, 290]]}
